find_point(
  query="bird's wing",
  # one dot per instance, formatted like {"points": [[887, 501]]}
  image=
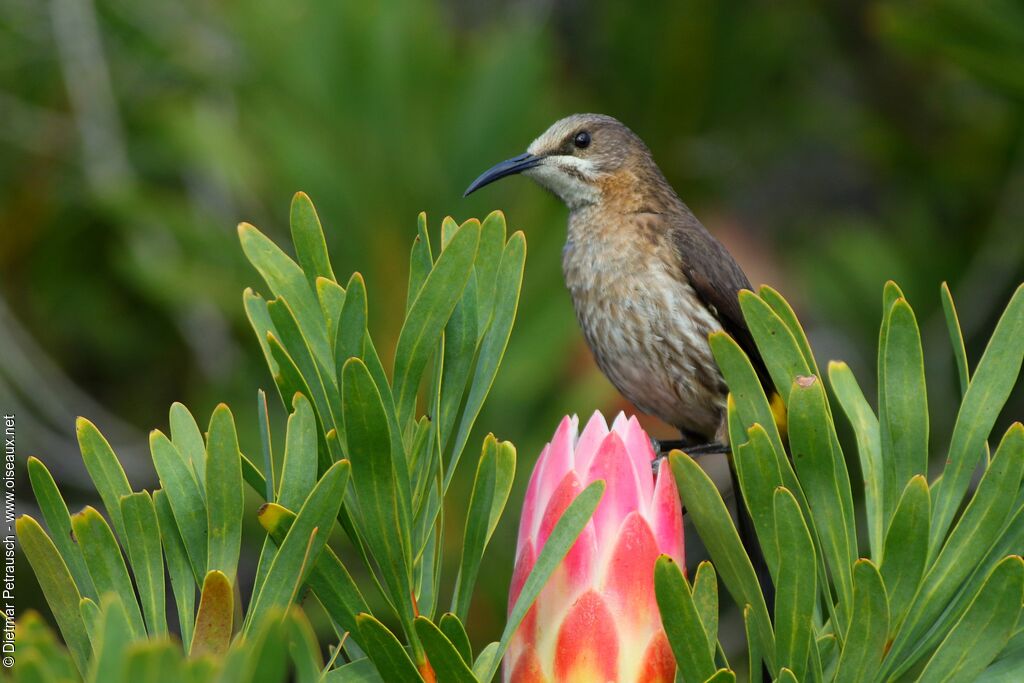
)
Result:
{"points": [[717, 280]]}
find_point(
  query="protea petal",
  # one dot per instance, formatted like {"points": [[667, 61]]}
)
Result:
{"points": [[527, 668], [621, 494], [641, 453], [658, 664], [629, 574], [590, 440], [665, 515], [587, 648], [528, 520], [558, 462]]}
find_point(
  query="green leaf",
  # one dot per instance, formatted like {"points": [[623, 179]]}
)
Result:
{"points": [[105, 563], [428, 315], [714, 525], [263, 418], [308, 237], [903, 426], [289, 568], [332, 300], [866, 637], [447, 663], [104, 470], [328, 578], [179, 482], [183, 580], [187, 438], [705, 599], [822, 469], [906, 547], [758, 473], [259, 319], [475, 537], [298, 472], [779, 348], [504, 476], [287, 281], [869, 449], [420, 261], [352, 324], [984, 629], [785, 312], [681, 620], [90, 617], [115, 632], [785, 676], [143, 544], [224, 494], [993, 380], [58, 519], [263, 655], [456, 633], [57, 586], [375, 483], [956, 338], [459, 347], [290, 382], [796, 590], [978, 528], [385, 650], [304, 648], [154, 661], [508, 284], [488, 259], [755, 648], [569, 526], [214, 619]]}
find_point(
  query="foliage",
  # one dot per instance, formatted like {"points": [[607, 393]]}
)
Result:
{"points": [[939, 592], [356, 451]]}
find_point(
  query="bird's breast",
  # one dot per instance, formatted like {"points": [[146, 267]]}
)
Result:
{"points": [[646, 326]]}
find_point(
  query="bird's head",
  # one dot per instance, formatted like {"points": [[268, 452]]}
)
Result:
{"points": [[577, 159]]}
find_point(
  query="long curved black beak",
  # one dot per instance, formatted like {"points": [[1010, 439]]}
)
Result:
{"points": [[505, 168]]}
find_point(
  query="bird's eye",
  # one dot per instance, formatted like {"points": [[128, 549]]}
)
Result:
{"points": [[582, 140]]}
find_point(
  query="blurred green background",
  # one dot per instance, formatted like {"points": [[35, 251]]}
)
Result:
{"points": [[830, 145]]}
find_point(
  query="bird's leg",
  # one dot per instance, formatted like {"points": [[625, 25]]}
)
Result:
{"points": [[690, 449]]}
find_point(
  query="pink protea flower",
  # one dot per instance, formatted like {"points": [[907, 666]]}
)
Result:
{"points": [[597, 619]]}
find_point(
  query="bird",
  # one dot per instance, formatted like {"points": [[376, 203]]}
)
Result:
{"points": [[649, 283]]}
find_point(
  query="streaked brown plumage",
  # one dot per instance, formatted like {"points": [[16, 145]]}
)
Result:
{"points": [[649, 283]]}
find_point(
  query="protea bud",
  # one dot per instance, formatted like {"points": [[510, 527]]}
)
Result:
{"points": [[597, 619]]}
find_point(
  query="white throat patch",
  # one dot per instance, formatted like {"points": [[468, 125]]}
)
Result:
{"points": [[567, 177]]}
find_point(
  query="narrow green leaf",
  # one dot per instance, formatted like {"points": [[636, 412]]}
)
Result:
{"points": [[259, 319], [569, 526], [504, 475], [705, 599], [460, 340], [785, 312], [956, 338], [983, 630], [328, 578], [298, 472], [352, 324], [755, 648], [714, 525], [105, 563], [456, 633], [758, 473], [304, 648], [447, 663], [263, 418], [58, 519], [385, 650], [91, 616], [429, 314], [785, 676], [822, 469], [224, 494], [104, 470], [115, 632], [993, 380], [475, 537], [289, 567], [906, 547], [143, 544], [57, 586], [681, 621], [332, 300], [214, 619], [179, 568], [287, 281], [869, 449], [187, 438], [796, 589], [290, 382], [178, 480], [508, 284], [488, 258], [375, 483], [865, 642], [154, 661], [420, 261], [779, 348], [308, 237], [904, 424]]}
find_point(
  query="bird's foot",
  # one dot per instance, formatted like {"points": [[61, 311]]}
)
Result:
{"points": [[663, 447]]}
